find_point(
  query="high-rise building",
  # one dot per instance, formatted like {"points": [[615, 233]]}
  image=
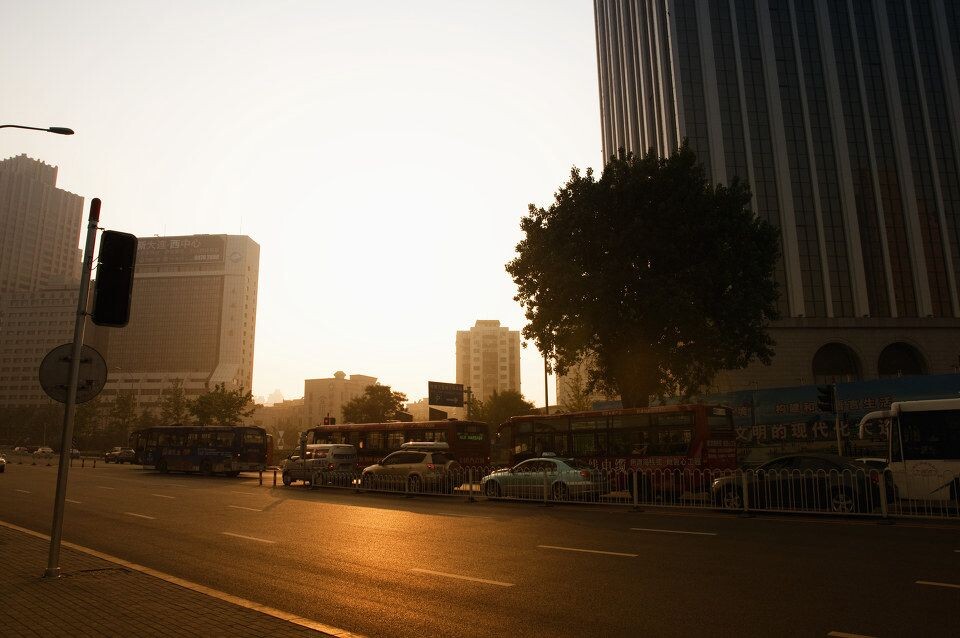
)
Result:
{"points": [[39, 227], [192, 319], [488, 358], [844, 118], [326, 397]]}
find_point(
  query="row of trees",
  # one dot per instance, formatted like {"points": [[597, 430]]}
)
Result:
{"points": [[99, 423]]}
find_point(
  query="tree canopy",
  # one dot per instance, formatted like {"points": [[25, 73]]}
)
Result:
{"points": [[659, 278], [174, 404], [222, 407], [376, 405], [500, 407]]}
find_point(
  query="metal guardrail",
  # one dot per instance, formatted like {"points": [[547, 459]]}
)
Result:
{"points": [[866, 493]]}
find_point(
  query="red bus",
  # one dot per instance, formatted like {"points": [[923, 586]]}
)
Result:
{"points": [[469, 441], [663, 444]]}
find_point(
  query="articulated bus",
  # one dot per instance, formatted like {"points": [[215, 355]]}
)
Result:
{"points": [[207, 449], [469, 441], [923, 447], [664, 444]]}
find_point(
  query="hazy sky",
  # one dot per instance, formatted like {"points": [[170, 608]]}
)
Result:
{"points": [[381, 153]]}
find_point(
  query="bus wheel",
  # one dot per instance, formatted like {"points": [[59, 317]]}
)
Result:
{"points": [[286, 478], [162, 467], [492, 489]]}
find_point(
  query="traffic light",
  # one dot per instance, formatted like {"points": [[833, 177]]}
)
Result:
{"points": [[329, 420], [114, 286], [827, 398]]}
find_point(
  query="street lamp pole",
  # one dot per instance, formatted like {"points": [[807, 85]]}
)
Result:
{"points": [[59, 130]]}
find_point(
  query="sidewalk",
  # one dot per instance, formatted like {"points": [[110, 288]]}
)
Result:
{"points": [[95, 597]]}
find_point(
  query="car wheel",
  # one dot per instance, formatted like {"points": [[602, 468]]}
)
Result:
{"points": [[560, 492], [162, 467], [414, 484], [286, 478], [730, 499], [841, 501], [492, 489]]}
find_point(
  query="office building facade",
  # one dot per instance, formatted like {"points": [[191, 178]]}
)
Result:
{"points": [[488, 358], [192, 319], [326, 397], [844, 118]]}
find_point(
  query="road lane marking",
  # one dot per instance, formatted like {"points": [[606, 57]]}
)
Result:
{"points": [[152, 518], [459, 515], [458, 576], [841, 634], [249, 538], [240, 507], [162, 496], [935, 584], [587, 551], [104, 487], [176, 485], [23, 491], [671, 531], [201, 589], [244, 493], [70, 500]]}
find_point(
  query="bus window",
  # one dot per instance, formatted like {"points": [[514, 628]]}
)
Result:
{"points": [[674, 419], [584, 443], [933, 435], [223, 438], [394, 440], [374, 441], [253, 437], [624, 442]]}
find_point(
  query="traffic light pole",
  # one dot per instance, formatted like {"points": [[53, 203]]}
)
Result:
{"points": [[53, 561]]}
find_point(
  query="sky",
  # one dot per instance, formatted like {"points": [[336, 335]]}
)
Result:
{"points": [[381, 154]]}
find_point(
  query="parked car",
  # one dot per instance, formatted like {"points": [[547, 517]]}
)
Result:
{"points": [[25, 449], [557, 478], [416, 467], [805, 482], [321, 464], [43, 452], [119, 455], [3, 463]]}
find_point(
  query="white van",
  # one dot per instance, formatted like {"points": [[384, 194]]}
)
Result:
{"points": [[322, 464]]}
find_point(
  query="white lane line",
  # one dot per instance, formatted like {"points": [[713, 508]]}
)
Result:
{"points": [[70, 500], [249, 538], [104, 487], [459, 515], [240, 507], [587, 551], [841, 634], [671, 531], [245, 493], [202, 589], [935, 584], [458, 576], [23, 491], [152, 518], [176, 485], [162, 496]]}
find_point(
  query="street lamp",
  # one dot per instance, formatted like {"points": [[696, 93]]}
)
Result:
{"points": [[59, 130]]}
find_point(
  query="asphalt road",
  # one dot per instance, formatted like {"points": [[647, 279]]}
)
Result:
{"points": [[384, 565]]}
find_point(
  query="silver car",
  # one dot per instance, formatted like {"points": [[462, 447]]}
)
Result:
{"points": [[416, 468], [547, 477]]}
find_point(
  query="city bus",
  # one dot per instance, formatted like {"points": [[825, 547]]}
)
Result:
{"points": [[207, 449], [469, 441], [673, 449], [923, 447]]}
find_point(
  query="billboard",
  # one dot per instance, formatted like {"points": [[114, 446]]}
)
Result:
{"points": [[448, 394], [189, 249]]}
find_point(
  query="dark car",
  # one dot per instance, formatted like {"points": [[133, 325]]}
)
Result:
{"points": [[804, 482], [119, 455]]}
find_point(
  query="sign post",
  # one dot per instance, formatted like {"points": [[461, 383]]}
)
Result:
{"points": [[448, 394], [53, 561]]}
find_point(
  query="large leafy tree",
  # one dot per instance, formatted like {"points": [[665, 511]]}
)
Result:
{"points": [[577, 397], [658, 277], [122, 416], [500, 407], [376, 405], [222, 407], [174, 404]]}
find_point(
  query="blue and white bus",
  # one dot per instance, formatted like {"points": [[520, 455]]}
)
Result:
{"points": [[206, 449]]}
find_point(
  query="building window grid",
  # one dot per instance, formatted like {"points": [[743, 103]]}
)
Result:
{"points": [[691, 82], [728, 93], [919, 158]]}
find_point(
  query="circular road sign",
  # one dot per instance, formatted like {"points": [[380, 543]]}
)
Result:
{"points": [[55, 373]]}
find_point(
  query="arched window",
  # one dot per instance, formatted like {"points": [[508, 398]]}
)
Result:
{"points": [[834, 363], [900, 360]]}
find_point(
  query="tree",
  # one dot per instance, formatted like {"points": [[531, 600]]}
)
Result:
{"points": [[220, 407], [376, 405], [500, 407], [149, 418], [174, 404], [122, 415], [86, 422], [656, 276], [577, 395]]}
